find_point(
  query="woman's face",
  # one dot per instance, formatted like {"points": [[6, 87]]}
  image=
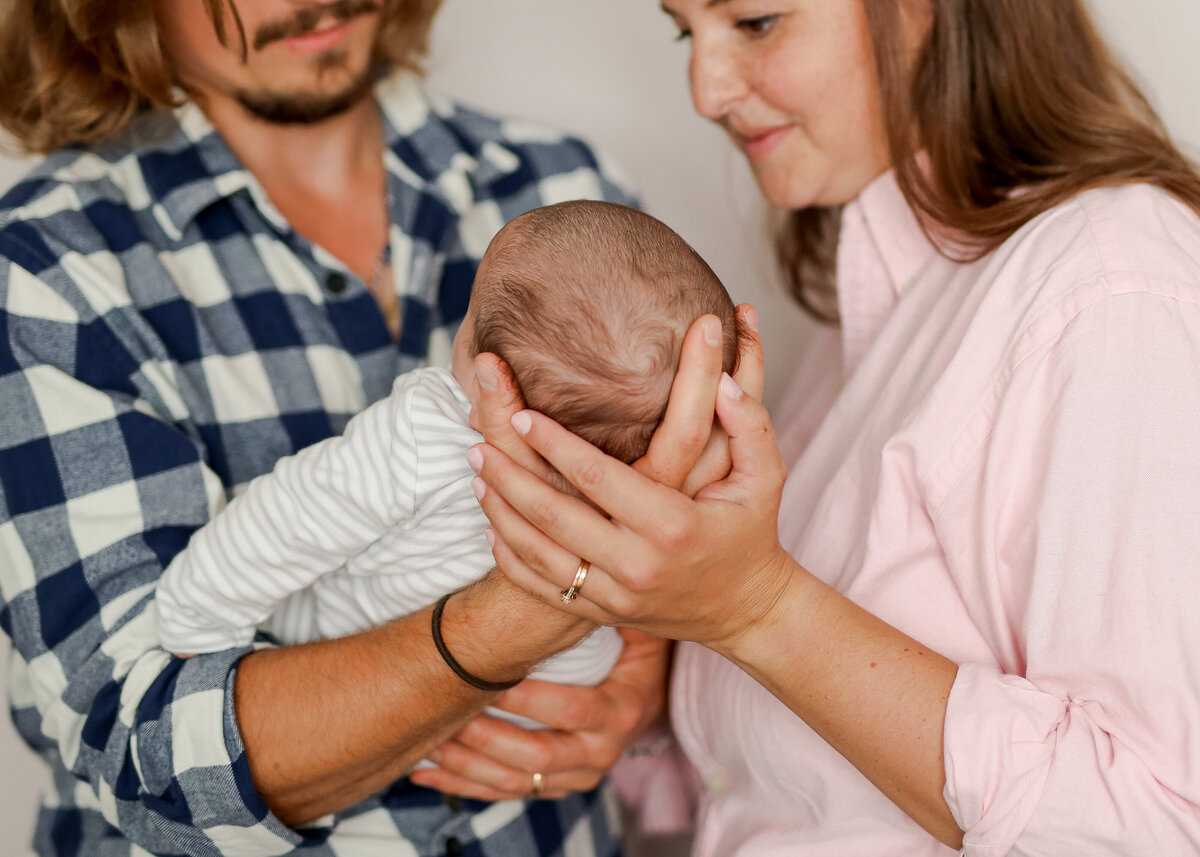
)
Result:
{"points": [[793, 83]]}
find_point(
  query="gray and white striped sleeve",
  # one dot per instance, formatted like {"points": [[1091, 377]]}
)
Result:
{"points": [[301, 521]]}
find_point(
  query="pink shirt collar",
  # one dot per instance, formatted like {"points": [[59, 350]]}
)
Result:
{"points": [[880, 253]]}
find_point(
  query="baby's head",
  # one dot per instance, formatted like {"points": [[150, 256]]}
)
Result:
{"points": [[588, 303]]}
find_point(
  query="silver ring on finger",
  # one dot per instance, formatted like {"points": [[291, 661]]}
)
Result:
{"points": [[572, 592]]}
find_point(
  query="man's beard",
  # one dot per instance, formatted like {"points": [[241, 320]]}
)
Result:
{"points": [[306, 108]]}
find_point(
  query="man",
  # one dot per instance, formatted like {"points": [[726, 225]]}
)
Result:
{"points": [[188, 294]]}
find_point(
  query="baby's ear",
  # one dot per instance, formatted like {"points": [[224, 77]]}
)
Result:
{"points": [[748, 362], [735, 342], [496, 397]]}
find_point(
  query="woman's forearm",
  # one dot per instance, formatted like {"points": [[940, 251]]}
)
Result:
{"points": [[876, 695], [327, 724]]}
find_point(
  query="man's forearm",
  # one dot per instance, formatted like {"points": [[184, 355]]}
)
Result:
{"points": [[327, 724]]}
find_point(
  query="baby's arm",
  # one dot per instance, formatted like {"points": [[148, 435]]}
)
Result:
{"points": [[304, 519]]}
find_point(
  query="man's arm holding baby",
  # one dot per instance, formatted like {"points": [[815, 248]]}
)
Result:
{"points": [[328, 723], [366, 707]]}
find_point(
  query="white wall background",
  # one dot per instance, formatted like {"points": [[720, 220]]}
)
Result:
{"points": [[611, 71]]}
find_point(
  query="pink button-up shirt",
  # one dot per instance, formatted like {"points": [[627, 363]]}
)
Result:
{"points": [[1001, 459]]}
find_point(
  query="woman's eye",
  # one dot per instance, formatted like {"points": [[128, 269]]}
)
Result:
{"points": [[757, 26]]}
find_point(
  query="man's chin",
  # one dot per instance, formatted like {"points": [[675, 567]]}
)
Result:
{"points": [[307, 108]]}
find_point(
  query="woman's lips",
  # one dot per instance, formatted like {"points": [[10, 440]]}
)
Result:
{"points": [[320, 39], [760, 144]]}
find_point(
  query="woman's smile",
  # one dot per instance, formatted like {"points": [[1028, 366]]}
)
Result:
{"points": [[759, 143]]}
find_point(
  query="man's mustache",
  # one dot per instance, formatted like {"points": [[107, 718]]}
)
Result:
{"points": [[306, 18]]}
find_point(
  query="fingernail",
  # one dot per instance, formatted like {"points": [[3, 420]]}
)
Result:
{"points": [[712, 331], [522, 422], [729, 387], [487, 376], [475, 458], [752, 318], [479, 487], [490, 535]]}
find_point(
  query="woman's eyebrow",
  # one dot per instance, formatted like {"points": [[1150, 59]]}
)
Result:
{"points": [[710, 4]]}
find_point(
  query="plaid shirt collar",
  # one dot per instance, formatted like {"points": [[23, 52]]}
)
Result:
{"points": [[196, 168]]}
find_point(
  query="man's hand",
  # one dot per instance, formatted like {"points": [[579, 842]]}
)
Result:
{"points": [[589, 728]]}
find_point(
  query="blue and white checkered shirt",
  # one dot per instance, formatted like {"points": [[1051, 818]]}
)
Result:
{"points": [[165, 336]]}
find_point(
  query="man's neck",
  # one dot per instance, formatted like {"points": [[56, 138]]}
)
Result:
{"points": [[320, 160], [328, 178]]}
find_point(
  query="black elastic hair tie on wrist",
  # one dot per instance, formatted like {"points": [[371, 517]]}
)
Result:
{"points": [[474, 681]]}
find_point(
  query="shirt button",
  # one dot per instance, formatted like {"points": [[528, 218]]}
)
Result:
{"points": [[716, 781], [454, 847], [336, 283]]}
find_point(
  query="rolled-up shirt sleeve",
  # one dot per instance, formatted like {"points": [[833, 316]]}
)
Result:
{"points": [[1086, 499], [101, 486]]}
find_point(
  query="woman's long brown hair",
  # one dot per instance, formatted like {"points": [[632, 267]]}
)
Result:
{"points": [[77, 71], [1003, 94]]}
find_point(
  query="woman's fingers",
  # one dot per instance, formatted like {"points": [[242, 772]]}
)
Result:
{"points": [[497, 399], [714, 463], [688, 421], [547, 584], [752, 446], [681, 438], [642, 505]]}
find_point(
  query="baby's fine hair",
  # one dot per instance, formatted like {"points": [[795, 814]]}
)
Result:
{"points": [[588, 303]]}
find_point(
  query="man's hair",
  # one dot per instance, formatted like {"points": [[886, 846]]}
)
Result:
{"points": [[78, 71], [588, 303], [1007, 109]]}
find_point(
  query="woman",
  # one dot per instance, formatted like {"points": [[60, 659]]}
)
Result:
{"points": [[970, 628]]}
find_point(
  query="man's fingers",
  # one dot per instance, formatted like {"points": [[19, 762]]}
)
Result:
{"points": [[466, 771], [571, 708], [574, 757]]}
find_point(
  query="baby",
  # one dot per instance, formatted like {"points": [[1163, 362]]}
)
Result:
{"points": [[588, 303]]}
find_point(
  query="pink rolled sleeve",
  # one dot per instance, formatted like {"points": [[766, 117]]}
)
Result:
{"points": [[1091, 748]]}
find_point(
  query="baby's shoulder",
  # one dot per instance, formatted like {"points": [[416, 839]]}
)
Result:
{"points": [[433, 406]]}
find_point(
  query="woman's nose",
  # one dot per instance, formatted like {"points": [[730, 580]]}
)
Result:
{"points": [[715, 79]]}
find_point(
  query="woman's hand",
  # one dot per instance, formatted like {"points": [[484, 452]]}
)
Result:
{"points": [[689, 450], [589, 728], [701, 569]]}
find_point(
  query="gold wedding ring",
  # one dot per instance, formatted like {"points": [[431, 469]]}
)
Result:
{"points": [[539, 782], [569, 594]]}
